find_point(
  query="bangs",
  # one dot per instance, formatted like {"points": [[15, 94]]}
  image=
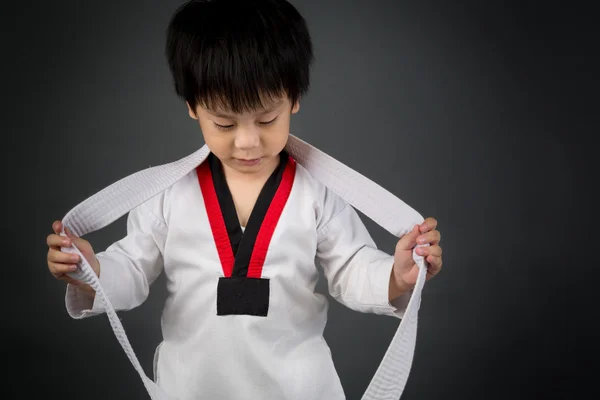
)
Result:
{"points": [[229, 77], [240, 59]]}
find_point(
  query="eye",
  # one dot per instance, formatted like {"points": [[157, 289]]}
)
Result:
{"points": [[268, 122], [223, 127]]}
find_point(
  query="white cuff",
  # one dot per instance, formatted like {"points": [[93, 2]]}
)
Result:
{"points": [[80, 305], [381, 274]]}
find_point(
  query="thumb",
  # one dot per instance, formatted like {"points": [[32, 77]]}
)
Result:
{"points": [[83, 245], [76, 240], [408, 241], [57, 227], [69, 234]]}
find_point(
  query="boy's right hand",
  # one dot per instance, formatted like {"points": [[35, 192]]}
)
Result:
{"points": [[60, 263]]}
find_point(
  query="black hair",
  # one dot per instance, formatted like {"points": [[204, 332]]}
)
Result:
{"points": [[237, 54]]}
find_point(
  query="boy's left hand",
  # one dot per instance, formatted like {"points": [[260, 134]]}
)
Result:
{"points": [[405, 269]]}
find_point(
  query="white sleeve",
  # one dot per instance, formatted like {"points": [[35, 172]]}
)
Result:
{"points": [[358, 274], [127, 267]]}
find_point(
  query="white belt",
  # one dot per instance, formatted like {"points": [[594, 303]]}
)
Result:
{"points": [[389, 212]]}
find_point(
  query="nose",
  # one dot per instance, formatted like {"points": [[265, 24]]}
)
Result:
{"points": [[247, 138]]}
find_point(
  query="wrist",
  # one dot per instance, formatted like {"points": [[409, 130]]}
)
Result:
{"points": [[96, 267], [398, 287]]}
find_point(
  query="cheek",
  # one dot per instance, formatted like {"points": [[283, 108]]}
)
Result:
{"points": [[219, 143], [221, 146], [276, 138], [279, 141]]}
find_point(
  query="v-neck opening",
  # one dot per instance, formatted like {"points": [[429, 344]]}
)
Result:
{"points": [[243, 241]]}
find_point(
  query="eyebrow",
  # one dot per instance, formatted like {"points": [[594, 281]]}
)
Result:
{"points": [[265, 110]]}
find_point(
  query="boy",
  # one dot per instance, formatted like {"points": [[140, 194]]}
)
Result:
{"points": [[238, 237]]}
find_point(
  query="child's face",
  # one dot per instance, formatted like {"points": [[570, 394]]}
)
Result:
{"points": [[247, 143]]}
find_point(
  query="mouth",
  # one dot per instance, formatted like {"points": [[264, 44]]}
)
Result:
{"points": [[247, 162]]}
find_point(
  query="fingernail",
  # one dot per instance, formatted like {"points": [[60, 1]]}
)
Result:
{"points": [[73, 268], [74, 257], [420, 251], [66, 243], [421, 240]]}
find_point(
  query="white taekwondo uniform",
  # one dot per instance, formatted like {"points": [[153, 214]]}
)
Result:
{"points": [[242, 319]]}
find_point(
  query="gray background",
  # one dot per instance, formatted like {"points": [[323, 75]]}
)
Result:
{"points": [[478, 114]]}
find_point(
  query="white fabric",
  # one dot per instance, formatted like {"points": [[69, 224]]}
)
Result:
{"points": [[281, 357], [376, 203]]}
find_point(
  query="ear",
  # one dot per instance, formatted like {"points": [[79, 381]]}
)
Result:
{"points": [[296, 107], [191, 111]]}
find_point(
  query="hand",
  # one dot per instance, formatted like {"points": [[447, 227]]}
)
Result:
{"points": [[60, 263], [406, 271]]}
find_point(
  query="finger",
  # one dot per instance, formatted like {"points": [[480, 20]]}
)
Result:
{"points": [[435, 264], [408, 241], [426, 251], [427, 225], [56, 241], [61, 257], [59, 269], [433, 237]]}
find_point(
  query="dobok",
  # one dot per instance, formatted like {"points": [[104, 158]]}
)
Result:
{"points": [[388, 211]]}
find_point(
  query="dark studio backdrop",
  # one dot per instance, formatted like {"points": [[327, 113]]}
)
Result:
{"points": [[479, 114]]}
